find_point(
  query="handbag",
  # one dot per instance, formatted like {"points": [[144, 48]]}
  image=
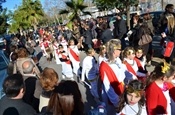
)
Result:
{"points": [[168, 49], [145, 39]]}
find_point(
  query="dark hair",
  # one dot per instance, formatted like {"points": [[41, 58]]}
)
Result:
{"points": [[14, 56], [168, 6], [65, 91], [134, 85], [11, 111], [158, 73], [13, 84]]}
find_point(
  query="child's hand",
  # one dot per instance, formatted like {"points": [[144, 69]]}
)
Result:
{"points": [[163, 35]]}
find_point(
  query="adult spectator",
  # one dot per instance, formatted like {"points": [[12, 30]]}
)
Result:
{"points": [[120, 29], [22, 57], [49, 79], [108, 33], [10, 68], [169, 9], [30, 79], [14, 89], [89, 36], [66, 99], [169, 33]]}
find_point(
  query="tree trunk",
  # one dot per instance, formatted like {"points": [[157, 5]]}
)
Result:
{"points": [[128, 15]]}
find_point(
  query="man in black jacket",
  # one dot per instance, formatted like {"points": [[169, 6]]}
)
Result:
{"points": [[120, 29], [14, 89]]}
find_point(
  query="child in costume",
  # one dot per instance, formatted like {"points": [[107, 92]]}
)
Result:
{"points": [[160, 90], [139, 55], [133, 65], [90, 71], [56, 49], [132, 101], [112, 76], [66, 63], [102, 54], [73, 53]]}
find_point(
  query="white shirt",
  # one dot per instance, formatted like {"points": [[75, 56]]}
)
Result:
{"points": [[132, 110], [135, 67], [89, 68]]}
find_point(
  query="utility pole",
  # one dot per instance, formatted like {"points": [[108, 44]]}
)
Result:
{"points": [[162, 4]]}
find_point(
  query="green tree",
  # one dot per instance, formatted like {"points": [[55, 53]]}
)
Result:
{"points": [[75, 9], [3, 21], [27, 15], [1, 1]]}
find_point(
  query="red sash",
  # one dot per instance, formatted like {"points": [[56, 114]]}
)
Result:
{"points": [[130, 69], [138, 63], [63, 57], [74, 55], [116, 85]]}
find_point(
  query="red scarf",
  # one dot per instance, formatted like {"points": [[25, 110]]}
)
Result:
{"points": [[74, 55], [116, 85]]}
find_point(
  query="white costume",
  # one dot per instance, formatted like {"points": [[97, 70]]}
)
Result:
{"points": [[66, 65], [64, 44], [101, 58], [111, 73], [90, 70], [134, 66], [132, 110], [55, 47], [73, 53]]}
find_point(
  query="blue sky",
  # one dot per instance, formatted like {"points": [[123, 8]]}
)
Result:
{"points": [[11, 4]]}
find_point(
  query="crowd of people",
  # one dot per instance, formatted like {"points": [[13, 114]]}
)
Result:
{"points": [[44, 65]]}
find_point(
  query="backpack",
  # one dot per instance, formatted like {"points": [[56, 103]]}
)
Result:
{"points": [[99, 110]]}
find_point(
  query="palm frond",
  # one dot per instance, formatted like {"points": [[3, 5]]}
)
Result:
{"points": [[86, 13], [70, 4], [64, 12], [81, 7]]}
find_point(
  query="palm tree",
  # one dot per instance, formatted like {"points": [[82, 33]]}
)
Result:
{"points": [[75, 9]]}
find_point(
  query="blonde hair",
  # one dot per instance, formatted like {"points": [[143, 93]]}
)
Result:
{"points": [[112, 45], [127, 51], [170, 22], [89, 51], [102, 47]]}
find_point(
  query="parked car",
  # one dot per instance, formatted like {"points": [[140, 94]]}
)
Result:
{"points": [[4, 61], [155, 16]]}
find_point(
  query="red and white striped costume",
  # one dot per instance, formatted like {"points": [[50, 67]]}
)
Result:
{"points": [[73, 53]]}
